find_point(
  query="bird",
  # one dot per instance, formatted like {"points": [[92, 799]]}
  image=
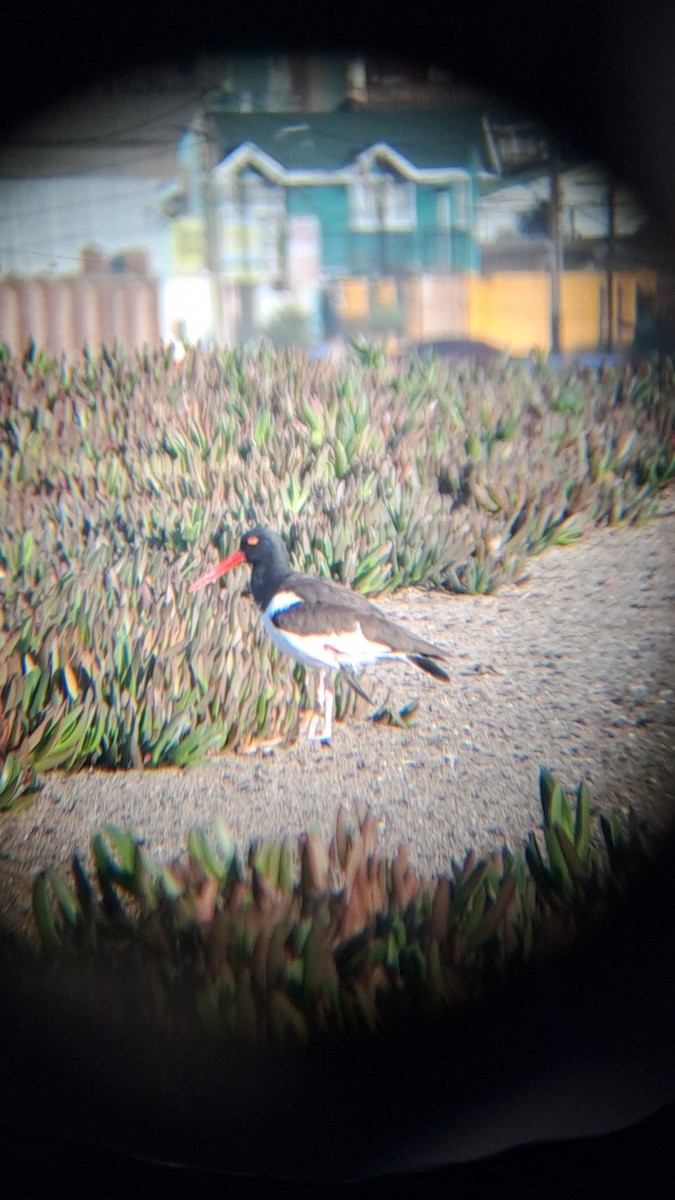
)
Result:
{"points": [[323, 625]]}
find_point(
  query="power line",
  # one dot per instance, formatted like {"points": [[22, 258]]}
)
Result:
{"points": [[69, 258], [92, 167], [79, 205], [95, 138]]}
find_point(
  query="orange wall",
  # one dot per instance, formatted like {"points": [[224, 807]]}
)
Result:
{"points": [[510, 310], [354, 297], [583, 307], [384, 293], [580, 310]]}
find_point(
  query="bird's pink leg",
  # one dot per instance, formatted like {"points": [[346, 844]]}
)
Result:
{"points": [[329, 705], [325, 700], [320, 698]]}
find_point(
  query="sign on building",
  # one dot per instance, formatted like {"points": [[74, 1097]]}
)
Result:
{"points": [[304, 251], [188, 245]]}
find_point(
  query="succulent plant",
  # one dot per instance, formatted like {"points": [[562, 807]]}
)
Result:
{"points": [[118, 470], [287, 943]]}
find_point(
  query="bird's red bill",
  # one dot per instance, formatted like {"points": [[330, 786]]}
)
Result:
{"points": [[213, 573]]}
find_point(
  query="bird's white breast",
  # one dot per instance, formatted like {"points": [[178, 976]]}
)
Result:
{"points": [[329, 650]]}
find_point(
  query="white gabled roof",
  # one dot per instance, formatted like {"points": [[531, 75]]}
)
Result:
{"points": [[249, 155]]}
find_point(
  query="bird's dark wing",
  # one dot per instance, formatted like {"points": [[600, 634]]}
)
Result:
{"points": [[311, 616], [327, 607]]}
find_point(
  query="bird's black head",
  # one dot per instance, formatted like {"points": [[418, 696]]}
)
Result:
{"points": [[263, 546], [265, 553]]}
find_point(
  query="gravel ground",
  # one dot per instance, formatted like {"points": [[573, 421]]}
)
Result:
{"points": [[573, 668]]}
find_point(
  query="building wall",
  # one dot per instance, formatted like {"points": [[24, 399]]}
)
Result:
{"points": [[513, 309], [331, 204], [437, 307], [626, 287], [45, 222], [426, 243], [510, 310], [65, 314], [581, 311], [426, 247], [353, 299]]}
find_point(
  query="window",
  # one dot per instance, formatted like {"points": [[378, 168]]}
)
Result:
{"points": [[362, 207], [381, 202], [252, 224], [256, 193], [399, 205]]}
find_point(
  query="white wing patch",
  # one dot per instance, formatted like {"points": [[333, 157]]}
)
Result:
{"points": [[281, 602]]}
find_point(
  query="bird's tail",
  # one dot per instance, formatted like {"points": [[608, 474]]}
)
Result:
{"points": [[429, 665]]}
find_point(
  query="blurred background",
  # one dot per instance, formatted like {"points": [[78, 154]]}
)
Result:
{"points": [[313, 198], [158, 183]]}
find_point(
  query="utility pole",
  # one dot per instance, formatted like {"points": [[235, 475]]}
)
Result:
{"points": [[246, 287], [381, 209], [556, 246], [211, 226], [611, 234]]}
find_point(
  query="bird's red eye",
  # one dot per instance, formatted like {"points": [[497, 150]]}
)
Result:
{"points": [[252, 540]]}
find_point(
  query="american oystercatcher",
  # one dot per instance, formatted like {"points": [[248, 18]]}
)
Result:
{"points": [[321, 624]]}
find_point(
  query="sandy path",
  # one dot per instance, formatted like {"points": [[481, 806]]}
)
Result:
{"points": [[574, 668]]}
